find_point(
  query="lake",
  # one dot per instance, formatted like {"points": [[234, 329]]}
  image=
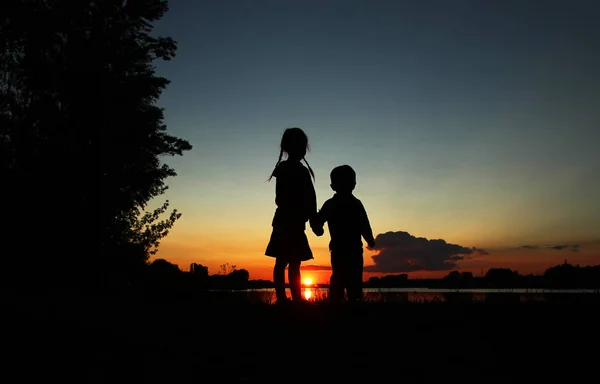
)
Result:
{"points": [[427, 295]]}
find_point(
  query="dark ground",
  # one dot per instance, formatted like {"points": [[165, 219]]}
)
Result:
{"points": [[192, 340]]}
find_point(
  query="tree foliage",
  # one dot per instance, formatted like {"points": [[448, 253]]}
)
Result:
{"points": [[81, 137]]}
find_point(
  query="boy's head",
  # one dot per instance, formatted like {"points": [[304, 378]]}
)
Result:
{"points": [[343, 179]]}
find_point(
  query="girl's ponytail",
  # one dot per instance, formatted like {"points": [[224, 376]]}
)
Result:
{"points": [[279, 161], [312, 173]]}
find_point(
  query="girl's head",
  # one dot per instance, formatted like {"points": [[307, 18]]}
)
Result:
{"points": [[294, 143]]}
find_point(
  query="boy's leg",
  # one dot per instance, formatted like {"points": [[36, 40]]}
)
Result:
{"points": [[337, 281], [336, 289], [295, 280], [279, 278], [355, 276]]}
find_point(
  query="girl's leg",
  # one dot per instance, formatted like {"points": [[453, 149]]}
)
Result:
{"points": [[279, 278], [295, 280]]}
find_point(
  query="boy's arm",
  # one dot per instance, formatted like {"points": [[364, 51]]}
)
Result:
{"points": [[318, 221], [366, 231]]}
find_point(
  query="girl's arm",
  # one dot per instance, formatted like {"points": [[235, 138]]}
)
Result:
{"points": [[312, 201], [310, 197], [281, 185]]}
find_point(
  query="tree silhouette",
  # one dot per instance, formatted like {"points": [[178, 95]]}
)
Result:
{"points": [[226, 269], [564, 276], [81, 137], [238, 279], [163, 267], [199, 270], [240, 275], [501, 278]]}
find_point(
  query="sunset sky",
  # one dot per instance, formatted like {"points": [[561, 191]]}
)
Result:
{"points": [[469, 121]]}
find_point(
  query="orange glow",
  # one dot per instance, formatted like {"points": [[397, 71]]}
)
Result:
{"points": [[308, 294], [248, 253]]}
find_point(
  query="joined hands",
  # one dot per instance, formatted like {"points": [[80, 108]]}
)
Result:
{"points": [[319, 231]]}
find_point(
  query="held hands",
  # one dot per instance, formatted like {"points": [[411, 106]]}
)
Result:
{"points": [[318, 231], [316, 226]]}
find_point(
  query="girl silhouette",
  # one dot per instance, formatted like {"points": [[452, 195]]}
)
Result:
{"points": [[296, 204]]}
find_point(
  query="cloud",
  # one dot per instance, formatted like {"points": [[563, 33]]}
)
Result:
{"points": [[560, 247], [572, 247], [403, 252], [313, 267]]}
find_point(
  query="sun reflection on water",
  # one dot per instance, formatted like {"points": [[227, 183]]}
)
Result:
{"points": [[308, 293]]}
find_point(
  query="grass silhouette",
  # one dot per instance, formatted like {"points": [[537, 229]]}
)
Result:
{"points": [[219, 337]]}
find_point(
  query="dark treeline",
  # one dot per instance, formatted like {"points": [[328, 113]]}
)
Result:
{"points": [[166, 276], [562, 276], [163, 276]]}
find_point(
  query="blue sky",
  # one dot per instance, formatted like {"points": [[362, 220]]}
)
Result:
{"points": [[475, 122]]}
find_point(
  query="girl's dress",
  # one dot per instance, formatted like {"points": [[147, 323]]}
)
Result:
{"points": [[296, 203]]}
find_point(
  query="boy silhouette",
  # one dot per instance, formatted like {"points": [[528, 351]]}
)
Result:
{"points": [[348, 223]]}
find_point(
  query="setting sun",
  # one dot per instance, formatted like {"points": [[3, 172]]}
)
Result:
{"points": [[307, 281]]}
